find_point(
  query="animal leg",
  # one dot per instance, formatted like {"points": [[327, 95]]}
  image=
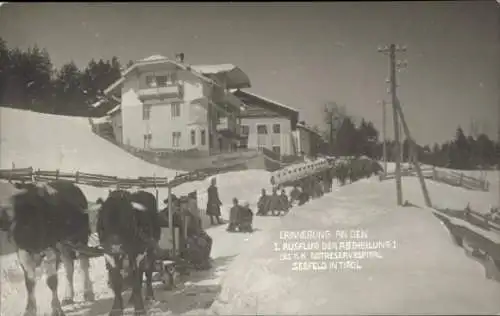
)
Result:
{"points": [[137, 273], [88, 292], [149, 266], [114, 265], [69, 269], [28, 264], [51, 264]]}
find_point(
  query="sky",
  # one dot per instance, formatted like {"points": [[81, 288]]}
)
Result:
{"points": [[300, 54]]}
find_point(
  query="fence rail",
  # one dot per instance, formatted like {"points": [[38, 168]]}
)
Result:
{"points": [[98, 180], [449, 177]]}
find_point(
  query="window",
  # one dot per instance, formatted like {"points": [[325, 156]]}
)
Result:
{"points": [[176, 109], [245, 130], [146, 111], [162, 81], [276, 128], [193, 137], [244, 143], [147, 140], [203, 137], [176, 139], [150, 81], [277, 150], [262, 129]]}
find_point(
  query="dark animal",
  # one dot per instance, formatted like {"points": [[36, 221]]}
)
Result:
{"points": [[47, 222], [128, 228]]}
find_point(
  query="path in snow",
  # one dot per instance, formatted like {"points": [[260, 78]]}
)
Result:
{"points": [[425, 274], [195, 296]]}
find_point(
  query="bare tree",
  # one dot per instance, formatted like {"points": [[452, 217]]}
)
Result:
{"points": [[334, 116]]}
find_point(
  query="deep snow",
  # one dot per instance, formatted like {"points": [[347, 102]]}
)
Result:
{"points": [[53, 142], [425, 274]]}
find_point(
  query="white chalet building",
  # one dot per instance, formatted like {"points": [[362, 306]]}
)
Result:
{"points": [[167, 105], [267, 124]]}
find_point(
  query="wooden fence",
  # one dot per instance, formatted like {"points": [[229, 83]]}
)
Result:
{"points": [[97, 180], [449, 177]]}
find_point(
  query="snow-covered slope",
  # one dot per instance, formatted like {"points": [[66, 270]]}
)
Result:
{"points": [[55, 142], [50, 142], [424, 274]]}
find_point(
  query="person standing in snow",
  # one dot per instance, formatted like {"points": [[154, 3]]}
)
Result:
{"points": [[245, 218], [318, 188], [274, 203], [285, 205], [214, 203], [234, 216], [263, 203], [294, 195]]}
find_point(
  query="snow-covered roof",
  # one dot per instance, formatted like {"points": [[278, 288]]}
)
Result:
{"points": [[234, 76], [307, 128], [114, 110], [264, 99], [98, 103], [156, 59], [213, 69], [153, 58], [100, 120]]}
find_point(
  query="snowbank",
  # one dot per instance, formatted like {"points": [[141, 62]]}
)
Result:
{"points": [[51, 142], [425, 274], [55, 142]]}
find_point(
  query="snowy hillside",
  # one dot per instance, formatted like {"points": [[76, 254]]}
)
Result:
{"points": [[424, 274], [50, 142], [55, 142]]}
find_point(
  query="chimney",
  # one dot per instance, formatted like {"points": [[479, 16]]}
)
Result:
{"points": [[179, 57]]}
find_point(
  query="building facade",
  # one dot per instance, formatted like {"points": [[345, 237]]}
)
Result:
{"points": [[267, 124], [308, 141], [167, 105]]}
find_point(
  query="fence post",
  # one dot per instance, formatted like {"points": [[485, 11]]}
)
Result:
{"points": [[11, 172], [34, 175], [57, 174], [77, 176], [156, 191], [461, 179], [434, 173]]}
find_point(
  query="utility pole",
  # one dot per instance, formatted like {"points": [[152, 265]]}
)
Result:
{"points": [[384, 136], [402, 142], [393, 64]]}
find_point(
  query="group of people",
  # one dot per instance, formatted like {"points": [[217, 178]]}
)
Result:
{"points": [[195, 243]]}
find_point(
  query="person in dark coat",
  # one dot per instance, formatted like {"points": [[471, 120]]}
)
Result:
{"points": [[303, 198], [274, 203], [234, 216], [284, 203], [245, 218], [214, 203], [263, 203], [294, 195]]}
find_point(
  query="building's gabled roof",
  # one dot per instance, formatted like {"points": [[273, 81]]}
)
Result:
{"points": [[152, 60], [307, 128], [254, 101], [114, 110], [235, 77]]}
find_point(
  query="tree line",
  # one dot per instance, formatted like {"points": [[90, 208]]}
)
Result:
{"points": [[28, 80], [462, 152]]}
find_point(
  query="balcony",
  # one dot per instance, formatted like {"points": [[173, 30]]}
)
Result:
{"points": [[226, 124], [168, 92]]}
